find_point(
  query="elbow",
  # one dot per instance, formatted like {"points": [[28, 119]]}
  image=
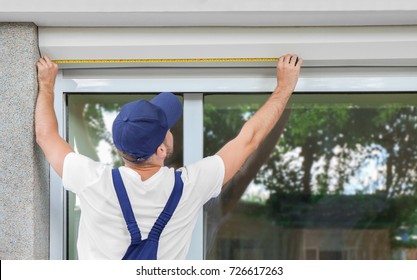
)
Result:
{"points": [[41, 136], [250, 149], [252, 143], [44, 132]]}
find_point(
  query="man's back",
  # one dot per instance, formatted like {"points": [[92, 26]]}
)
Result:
{"points": [[103, 233]]}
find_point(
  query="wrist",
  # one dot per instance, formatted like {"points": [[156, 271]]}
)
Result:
{"points": [[46, 92], [283, 91], [45, 88]]}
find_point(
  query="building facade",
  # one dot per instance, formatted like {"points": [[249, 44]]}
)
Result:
{"points": [[219, 58]]}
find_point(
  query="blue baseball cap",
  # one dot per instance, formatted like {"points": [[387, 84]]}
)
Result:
{"points": [[141, 125]]}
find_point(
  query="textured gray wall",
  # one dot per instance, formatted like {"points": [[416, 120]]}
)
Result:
{"points": [[24, 173]]}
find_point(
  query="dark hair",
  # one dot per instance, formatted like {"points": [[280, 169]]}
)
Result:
{"points": [[133, 160]]}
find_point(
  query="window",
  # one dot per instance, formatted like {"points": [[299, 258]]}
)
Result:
{"points": [[335, 179], [349, 171]]}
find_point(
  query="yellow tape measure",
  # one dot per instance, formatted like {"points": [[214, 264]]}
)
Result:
{"points": [[165, 60]]}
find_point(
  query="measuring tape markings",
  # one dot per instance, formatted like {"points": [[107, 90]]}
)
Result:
{"points": [[167, 60]]}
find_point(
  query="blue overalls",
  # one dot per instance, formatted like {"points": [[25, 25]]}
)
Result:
{"points": [[146, 249]]}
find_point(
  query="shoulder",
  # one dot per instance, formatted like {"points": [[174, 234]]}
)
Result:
{"points": [[205, 176], [74, 161], [203, 166], [80, 171], [208, 162]]}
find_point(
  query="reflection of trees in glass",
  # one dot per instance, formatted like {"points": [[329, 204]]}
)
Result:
{"points": [[310, 134], [338, 166], [365, 152], [93, 116], [219, 208], [344, 143], [334, 144], [222, 125]]}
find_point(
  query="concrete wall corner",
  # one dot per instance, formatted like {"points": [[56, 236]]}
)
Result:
{"points": [[24, 172]]}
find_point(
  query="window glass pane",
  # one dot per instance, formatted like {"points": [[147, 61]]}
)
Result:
{"points": [[90, 118], [335, 179]]}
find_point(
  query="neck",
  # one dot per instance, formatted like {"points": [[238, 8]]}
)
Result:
{"points": [[146, 170]]}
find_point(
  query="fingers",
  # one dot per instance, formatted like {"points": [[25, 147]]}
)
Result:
{"points": [[299, 62], [293, 59], [48, 61], [290, 59], [45, 61], [287, 58], [42, 61], [288, 70], [47, 72]]}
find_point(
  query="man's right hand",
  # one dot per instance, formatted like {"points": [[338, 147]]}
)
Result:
{"points": [[288, 70]]}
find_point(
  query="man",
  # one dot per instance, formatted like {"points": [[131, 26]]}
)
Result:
{"points": [[141, 133]]}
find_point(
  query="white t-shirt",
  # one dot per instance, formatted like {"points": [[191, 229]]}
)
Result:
{"points": [[103, 232]]}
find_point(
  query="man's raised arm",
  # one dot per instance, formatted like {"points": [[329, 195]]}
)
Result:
{"points": [[236, 152], [46, 127]]}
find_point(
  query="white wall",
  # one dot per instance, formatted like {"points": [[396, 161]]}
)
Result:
{"points": [[386, 36], [319, 46], [210, 12]]}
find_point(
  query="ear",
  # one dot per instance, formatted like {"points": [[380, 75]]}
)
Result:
{"points": [[161, 151]]}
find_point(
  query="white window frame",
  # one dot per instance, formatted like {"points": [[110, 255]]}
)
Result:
{"points": [[234, 80]]}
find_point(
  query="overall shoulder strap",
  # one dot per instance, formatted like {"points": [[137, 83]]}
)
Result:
{"points": [[169, 209], [127, 211]]}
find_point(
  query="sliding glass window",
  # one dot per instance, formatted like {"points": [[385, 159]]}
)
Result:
{"points": [[335, 179]]}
